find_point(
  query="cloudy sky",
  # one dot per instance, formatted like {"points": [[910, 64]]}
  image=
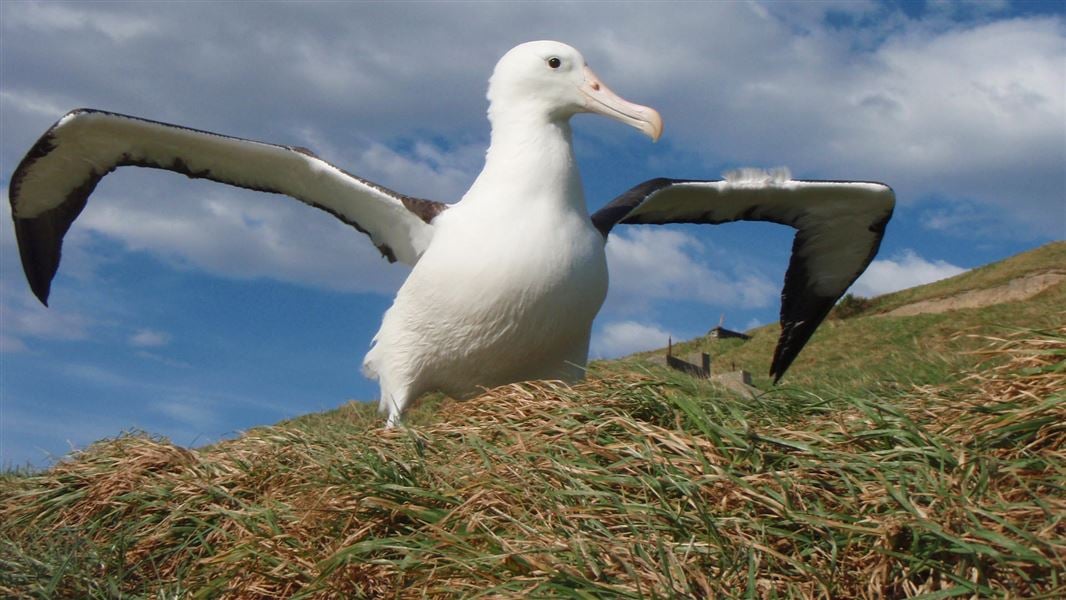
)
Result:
{"points": [[191, 310]]}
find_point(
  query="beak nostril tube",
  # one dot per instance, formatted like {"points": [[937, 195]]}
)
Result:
{"points": [[600, 99]]}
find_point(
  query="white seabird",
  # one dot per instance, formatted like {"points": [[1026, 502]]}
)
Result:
{"points": [[506, 282]]}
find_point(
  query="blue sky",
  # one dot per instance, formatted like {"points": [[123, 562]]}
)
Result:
{"points": [[194, 311]]}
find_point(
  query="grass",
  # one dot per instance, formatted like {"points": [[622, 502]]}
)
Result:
{"points": [[1050, 257], [930, 464], [866, 355], [621, 487]]}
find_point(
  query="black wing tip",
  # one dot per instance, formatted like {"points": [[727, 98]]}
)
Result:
{"points": [[796, 333], [39, 273], [42, 293], [776, 375], [39, 251], [783, 358], [40, 238], [38, 278], [781, 364]]}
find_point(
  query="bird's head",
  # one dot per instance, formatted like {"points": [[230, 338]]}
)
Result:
{"points": [[551, 80]]}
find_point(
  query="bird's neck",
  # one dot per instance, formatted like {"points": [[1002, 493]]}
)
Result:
{"points": [[533, 160]]}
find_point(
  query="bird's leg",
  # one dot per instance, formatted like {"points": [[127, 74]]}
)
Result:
{"points": [[394, 402]]}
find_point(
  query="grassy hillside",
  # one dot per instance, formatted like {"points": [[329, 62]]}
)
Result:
{"points": [[868, 354], [1051, 257], [902, 456]]}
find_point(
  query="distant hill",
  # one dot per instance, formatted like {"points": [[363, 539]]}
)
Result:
{"points": [[918, 335], [1016, 278], [903, 455]]}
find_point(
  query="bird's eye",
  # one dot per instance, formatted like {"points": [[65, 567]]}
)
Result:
{"points": [[554, 62]]}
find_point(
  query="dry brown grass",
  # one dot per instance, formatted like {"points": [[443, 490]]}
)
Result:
{"points": [[619, 487]]}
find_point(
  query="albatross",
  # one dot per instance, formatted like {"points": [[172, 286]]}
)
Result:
{"points": [[505, 283]]}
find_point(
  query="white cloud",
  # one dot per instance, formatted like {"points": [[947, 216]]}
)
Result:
{"points": [[164, 360], [149, 338], [904, 271], [926, 104], [431, 172], [23, 318], [32, 102], [10, 343], [621, 338], [425, 169], [193, 412], [237, 234], [649, 264], [928, 107], [953, 217], [51, 17], [247, 235], [99, 376], [937, 110]]}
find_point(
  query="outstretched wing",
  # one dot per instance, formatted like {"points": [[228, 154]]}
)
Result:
{"points": [[839, 229], [53, 182]]}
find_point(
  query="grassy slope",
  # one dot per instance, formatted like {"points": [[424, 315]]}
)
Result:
{"points": [[898, 458], [864, 353], [1049, 257]]}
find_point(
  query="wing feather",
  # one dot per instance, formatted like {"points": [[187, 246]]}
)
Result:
{"points": [[53, 182], [839, 226]]}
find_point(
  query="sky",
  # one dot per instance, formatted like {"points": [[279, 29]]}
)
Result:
{"points": [[194, 311]]}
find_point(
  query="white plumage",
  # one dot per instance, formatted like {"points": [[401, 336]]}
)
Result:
{"points": [[506, 282], [521, 231]]}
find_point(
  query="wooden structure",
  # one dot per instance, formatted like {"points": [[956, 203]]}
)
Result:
{"points": [[702, 371], [722, 333]]}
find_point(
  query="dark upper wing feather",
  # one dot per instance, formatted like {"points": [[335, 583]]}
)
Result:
{"points": [[52, 184], [839, 229]]}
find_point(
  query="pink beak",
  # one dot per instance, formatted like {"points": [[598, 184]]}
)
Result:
{"points": [[600, 99]]}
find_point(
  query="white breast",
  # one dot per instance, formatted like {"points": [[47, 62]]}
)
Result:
{"points": [[495, 299]]}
